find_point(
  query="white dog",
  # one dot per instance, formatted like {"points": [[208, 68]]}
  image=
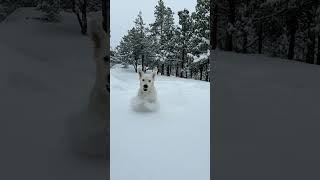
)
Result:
{"points": [[88, 129], [146, 99]]}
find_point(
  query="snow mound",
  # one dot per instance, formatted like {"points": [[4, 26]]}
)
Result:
{"points": [[139, 105]]}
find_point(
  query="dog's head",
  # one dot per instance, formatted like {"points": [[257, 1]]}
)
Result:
{"points": [[147, 80]]}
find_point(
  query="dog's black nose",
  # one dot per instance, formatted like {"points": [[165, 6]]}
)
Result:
{"points": [[145, 86]]}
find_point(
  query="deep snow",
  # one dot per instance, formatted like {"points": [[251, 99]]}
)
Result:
{"points": [[46, 72], [171, 143], [266, 118]]}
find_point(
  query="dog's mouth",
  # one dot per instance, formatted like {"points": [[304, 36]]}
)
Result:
{"points": [[145, 89]]}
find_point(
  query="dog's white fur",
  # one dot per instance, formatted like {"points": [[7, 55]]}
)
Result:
{"points": [[89, 127], [146, 99], [148, 94], [99, 93]]}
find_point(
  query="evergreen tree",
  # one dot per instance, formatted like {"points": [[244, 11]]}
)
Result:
{"points": [[157, 32], [140, 38], [184, 32], [167, 40], [51, 8], [200, 37], [181, 50], [135, 46]]}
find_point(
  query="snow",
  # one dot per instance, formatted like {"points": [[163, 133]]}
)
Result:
{"points": [[139, 105], [267, 115], [207, 41], [171, 143], [46, 72], [201, 57]]}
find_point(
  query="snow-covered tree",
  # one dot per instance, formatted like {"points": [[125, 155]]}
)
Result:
{"points": [[183, 34], [176, 49], [163, 31], [135, 47], [167, 40], [51, 8], [201, 35], [281, 28]]}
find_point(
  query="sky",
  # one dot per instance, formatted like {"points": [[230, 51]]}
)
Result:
{"points": [[124, 12]]}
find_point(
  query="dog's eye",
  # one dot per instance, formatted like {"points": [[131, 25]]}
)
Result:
{"points": [[142, 79], [149, 80]]}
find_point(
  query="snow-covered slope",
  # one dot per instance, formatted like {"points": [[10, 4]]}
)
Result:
{"points": [[172, 143], [46, 72], [266, 117]]}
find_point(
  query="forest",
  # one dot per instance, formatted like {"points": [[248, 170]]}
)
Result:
{"points": [[180, 50], [288, 29], [53, 8]]}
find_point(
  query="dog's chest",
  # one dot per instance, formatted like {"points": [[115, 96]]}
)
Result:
{"points": [[149, 96]]}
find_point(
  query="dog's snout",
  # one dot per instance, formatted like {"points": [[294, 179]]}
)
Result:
{"points": [[145, 86]]}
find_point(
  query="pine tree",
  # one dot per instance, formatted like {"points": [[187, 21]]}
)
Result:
{"points": [[156, 30], [200, 37], [167, 40], [184, 33], [135, 46], [140, 39], [51, 8], [159, 13], [182, 49]]}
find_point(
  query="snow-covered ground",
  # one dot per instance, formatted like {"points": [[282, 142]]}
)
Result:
{"points": [[46, 72], [172, 143], [266, 118]]}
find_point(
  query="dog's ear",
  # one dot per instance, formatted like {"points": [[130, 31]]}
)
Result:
{"points": [[140, 74]]}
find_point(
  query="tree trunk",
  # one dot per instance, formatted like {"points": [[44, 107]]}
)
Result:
{"points": [[182, 63], [260, 38], [201, 71], [213, 23], [142, 63], [162, 69], [311, 47], [292, 43], [292, 26], [318, 56], [136, 64], [207, 74], [168, 70], [177, 70], [77, 14], [82, 20], [105, 13], [208, 69], [245, 42], [84, 17], [231, 19], [311, 44]]}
